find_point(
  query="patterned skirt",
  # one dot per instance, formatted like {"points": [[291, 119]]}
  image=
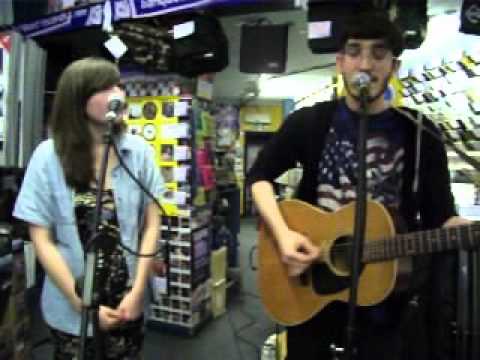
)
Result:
{"points": [[123, 343]]}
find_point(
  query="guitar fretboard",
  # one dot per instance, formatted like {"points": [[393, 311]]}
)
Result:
{"points": [[423, 242]]}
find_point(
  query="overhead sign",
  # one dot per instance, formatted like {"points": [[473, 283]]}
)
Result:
{"points": [[64, 21], [93, 15], [142, 8]]}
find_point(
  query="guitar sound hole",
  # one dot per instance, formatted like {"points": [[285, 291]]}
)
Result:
{"points": [[334, 276], [340, 255]]}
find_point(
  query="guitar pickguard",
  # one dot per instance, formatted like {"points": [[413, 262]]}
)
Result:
{"points": [[325, 282]]}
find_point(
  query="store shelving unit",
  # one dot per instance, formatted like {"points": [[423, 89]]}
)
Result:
{"points": [[176, 124]]}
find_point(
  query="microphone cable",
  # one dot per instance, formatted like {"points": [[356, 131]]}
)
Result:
{"points": [[439, 137], [165, 249]]}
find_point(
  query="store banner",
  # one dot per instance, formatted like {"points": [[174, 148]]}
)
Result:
{"points": [[143, 8], [119, 9], [64, 21]]}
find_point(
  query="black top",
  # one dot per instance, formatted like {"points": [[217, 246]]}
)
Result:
{"points": [[301, 139]]}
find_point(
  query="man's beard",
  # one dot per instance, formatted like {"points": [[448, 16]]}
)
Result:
{"points": [[370, 98]]}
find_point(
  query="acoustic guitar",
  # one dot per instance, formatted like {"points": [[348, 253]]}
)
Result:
{"points": [[294, 300]]}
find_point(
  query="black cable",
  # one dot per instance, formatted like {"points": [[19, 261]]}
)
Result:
{"points": [[315, 92], [250, 258], [165, 249], [235, 339], [251, 321], [443, 139], [41, 342]]}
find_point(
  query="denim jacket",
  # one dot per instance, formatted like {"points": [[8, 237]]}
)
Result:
{"points": [[46, 200]]}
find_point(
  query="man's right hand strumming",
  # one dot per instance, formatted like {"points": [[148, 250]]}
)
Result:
{"points": [[297, 251]]}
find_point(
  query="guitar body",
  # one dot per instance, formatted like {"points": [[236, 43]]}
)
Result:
{"points": [[294, 300]]}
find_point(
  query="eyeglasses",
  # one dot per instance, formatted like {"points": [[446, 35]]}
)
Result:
{"points": [[377, 51]]}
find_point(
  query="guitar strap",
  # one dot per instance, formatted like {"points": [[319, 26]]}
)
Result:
{"points": [[418, 145], [418, 121]]}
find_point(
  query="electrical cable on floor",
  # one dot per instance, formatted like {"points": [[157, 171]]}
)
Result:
{"points": [[235, 339], [251, 321], [251, 254], [238, 337]]}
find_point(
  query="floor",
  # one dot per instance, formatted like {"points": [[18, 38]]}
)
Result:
{"points": [[236, 335]]}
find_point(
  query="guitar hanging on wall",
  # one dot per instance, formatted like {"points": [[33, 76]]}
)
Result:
{"points": [[294, 300]]}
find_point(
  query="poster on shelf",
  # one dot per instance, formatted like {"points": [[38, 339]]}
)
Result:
{"points": [[180, 108], [167, 173], [166, 152], [135, 111], [159, 286], [174, 131], [180, 173], [181, 197], [182, 153], [205, 86], [175, 197]]}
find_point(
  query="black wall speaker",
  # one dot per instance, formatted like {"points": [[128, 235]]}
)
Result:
{"points": [[25, 11], [204, 51], [326, 19], [470, 17], [263, 48], [412, 20]]}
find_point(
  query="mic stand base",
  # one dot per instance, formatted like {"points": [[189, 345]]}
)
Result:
{"points": [[335, 351]]}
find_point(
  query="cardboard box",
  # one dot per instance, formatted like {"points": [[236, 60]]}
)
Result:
{"points": [[218, 264], [219, 297]]}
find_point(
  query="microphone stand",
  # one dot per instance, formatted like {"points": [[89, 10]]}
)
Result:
{"points": [[90, 306], [360, 223], [464, 328]]}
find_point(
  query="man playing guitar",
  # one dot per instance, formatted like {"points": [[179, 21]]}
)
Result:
{"points": [[407, 173]]}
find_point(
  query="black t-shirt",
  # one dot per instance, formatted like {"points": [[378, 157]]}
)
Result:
{"points": [[302, 138], [338, 165]]}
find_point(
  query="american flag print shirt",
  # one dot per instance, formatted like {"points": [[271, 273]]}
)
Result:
{"points": [[338, 166]]}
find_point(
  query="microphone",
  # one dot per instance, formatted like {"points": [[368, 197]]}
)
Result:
{"points": [[116, 104], [361, 80]]}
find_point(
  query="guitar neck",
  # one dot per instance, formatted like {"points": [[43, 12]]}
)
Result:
{"points": [[423, 242]]}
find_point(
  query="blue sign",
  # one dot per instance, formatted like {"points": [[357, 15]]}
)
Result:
{"points": [[64, 21], [119, 9], [141, 8]]}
